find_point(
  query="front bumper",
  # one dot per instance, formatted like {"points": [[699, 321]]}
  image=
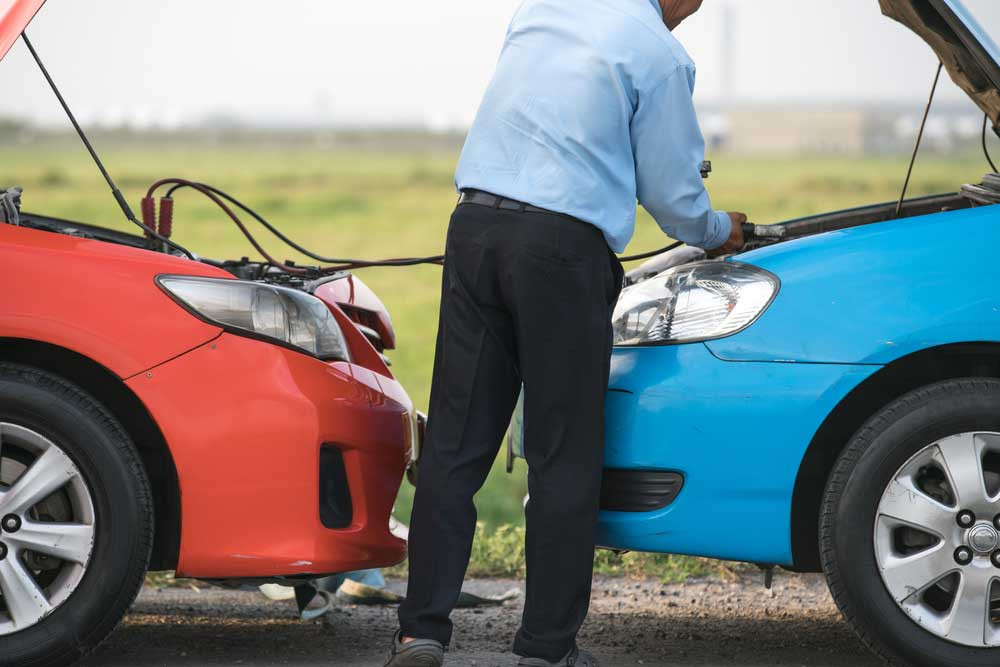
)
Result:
{"points": [[737, 432], [246, 423]]}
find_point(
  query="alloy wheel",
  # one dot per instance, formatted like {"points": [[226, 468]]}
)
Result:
{"points": [[47, 523], [937, 538]]}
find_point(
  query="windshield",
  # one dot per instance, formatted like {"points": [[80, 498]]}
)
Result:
{"points": [[971, 12]]}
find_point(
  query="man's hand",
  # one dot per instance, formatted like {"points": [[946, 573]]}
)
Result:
{"points": [[735, 242]]}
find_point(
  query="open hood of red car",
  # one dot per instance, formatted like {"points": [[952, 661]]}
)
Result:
{"points": [[15, 15], [963, 44]]}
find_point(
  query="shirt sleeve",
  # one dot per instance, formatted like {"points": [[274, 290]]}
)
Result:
{"points": [[669, 148]]}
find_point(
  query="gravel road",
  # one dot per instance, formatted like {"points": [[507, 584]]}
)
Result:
{"points": [[701, 623]]}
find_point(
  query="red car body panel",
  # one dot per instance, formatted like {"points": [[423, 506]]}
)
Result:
{"points": [[15, 15], [96, 299], [246, 421]]}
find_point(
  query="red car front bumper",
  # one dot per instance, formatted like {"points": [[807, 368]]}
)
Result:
{"points": [[246, 422]]}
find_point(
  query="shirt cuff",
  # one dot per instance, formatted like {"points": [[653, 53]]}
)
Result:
{"points": [[720, 228]]}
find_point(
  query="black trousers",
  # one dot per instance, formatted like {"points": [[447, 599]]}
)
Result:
{"points": [[526, 297]]}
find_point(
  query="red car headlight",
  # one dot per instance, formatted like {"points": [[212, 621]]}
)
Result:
{"points": [[270, 313]]}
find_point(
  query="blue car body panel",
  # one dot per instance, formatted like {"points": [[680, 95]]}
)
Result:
{"points": [[876, 293], [737, 431], [737, 415]]}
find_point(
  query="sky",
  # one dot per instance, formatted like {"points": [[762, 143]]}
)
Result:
{"points": [[390, 62]]}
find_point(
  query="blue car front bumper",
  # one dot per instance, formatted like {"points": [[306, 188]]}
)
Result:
{"points": [[737, 431]]}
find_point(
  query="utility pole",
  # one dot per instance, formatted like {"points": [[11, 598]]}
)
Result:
{"points": [[729, 21]]}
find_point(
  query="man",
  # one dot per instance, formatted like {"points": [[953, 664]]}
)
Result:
{"points": [[590, 109]]}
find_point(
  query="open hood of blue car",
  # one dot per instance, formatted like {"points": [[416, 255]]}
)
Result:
{"points": [[968, 51]]}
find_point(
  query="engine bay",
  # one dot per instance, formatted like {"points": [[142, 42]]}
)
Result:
{"points": [[985, 193], [243, 268]]}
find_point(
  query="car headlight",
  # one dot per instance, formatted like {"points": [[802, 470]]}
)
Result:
{"points": [[694, 302], [274, 314]]}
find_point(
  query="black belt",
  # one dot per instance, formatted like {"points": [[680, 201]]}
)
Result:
{"points": [[481, 198]]}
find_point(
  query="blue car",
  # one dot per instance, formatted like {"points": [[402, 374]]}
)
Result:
{"points": [[830, 400]]}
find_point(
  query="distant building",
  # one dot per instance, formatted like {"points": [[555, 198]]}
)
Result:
{"points": [[843, 130]]}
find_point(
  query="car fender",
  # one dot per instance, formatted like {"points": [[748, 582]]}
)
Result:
{"points": [[872, 294], [737, 433], [96, 299]]}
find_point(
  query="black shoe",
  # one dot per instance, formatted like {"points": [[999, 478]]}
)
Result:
{"points": [[575, 658], [418, 653]]}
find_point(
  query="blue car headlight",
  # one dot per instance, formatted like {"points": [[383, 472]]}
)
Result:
{"points": [[279, 315], [694, 302]]}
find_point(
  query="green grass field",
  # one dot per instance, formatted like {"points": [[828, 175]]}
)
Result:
{"points": [[386, 205]]}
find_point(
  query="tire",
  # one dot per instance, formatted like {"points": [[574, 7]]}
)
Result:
{"points": [[874, 529], [107, 500]]}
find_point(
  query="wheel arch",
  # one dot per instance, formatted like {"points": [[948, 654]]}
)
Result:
{"points": [[978, 359], [115, 395]]}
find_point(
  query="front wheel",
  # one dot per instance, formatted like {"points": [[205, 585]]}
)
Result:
{"points": [[910, 527], [75, 520]]}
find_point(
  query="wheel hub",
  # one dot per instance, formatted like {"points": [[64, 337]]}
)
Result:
{"points": [[983, 539], [47, 527], [937, 538]]}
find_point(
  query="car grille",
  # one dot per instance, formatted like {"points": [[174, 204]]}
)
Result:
{"points": [[639, 490], [335, 507]]}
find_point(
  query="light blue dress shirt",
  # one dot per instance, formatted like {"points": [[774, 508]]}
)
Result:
{"points": [[591, 109]]}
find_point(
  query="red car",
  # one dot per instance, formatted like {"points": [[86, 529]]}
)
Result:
{"points": [[228, 420]]}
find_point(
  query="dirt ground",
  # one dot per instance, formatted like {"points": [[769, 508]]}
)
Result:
{"points": [[702, 623]]}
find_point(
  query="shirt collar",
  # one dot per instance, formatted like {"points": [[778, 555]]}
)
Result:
{"points": [[656, 5]]}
